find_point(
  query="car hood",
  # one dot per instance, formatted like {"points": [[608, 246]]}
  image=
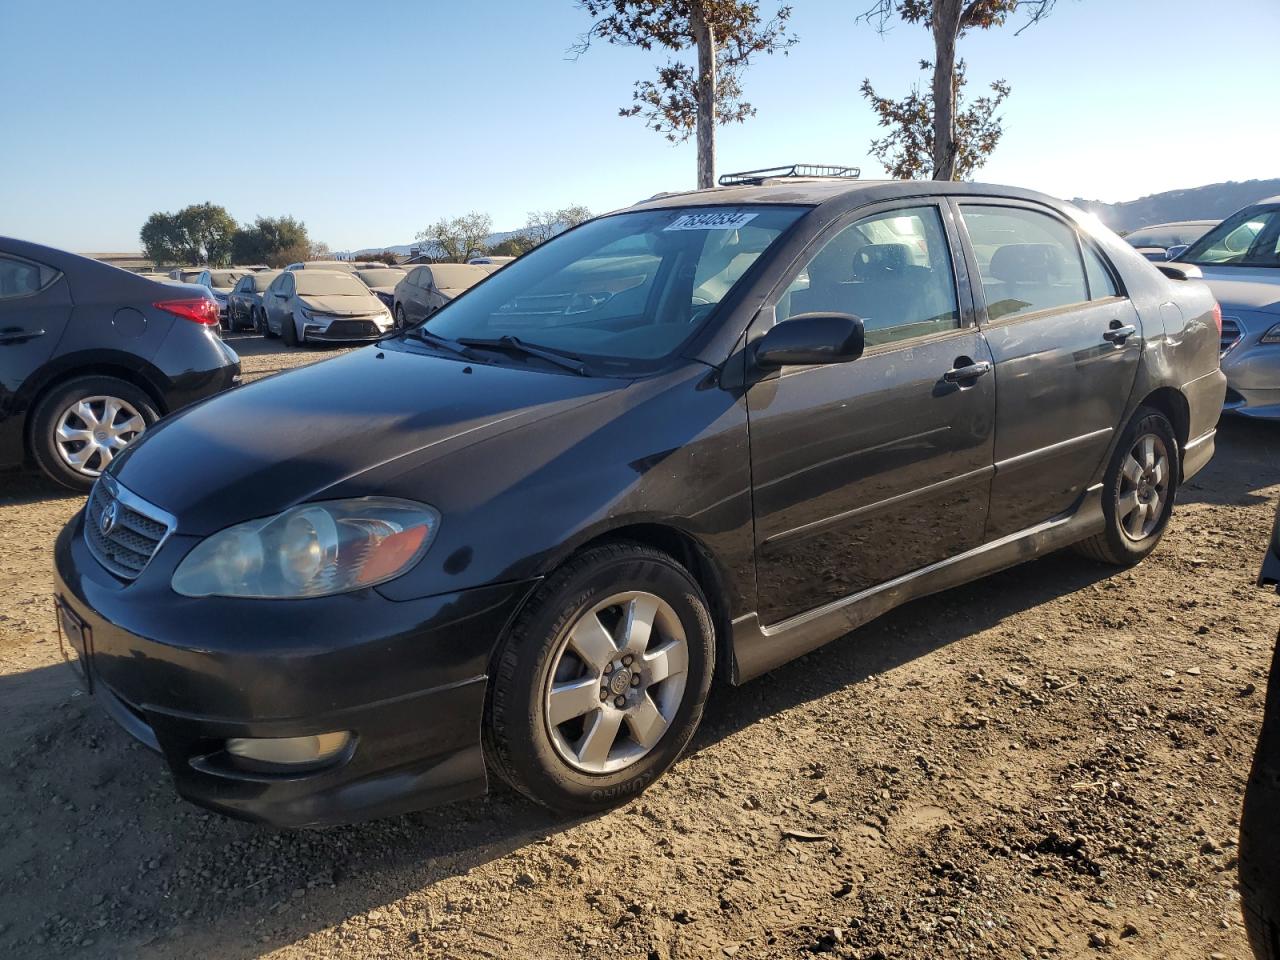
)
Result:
{"points": [[387, 290], [1245, 288], [297, 436], [348, 306], [450, 292]]}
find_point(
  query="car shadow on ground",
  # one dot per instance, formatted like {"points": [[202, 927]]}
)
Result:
{"points": [[96, 834], [1251, 448], [19, 487]]}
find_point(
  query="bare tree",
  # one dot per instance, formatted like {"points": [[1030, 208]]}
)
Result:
{"points": [[542, 225], [460, 237], [690, 100], [948, 20]]}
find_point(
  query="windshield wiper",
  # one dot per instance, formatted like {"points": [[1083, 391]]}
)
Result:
{"points": [[507, 342], [435, 340]]}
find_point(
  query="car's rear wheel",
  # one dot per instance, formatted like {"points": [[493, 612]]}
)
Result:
{"points": [[401, 321], [81, 426], [600, 685], [1138, 491]]}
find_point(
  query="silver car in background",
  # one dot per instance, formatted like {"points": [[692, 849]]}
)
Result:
{"points": [[322, 305], [382, 281], [1156, 240], [1240, 260]]}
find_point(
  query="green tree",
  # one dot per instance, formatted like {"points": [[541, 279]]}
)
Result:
{"points": [[163, 240], [459, 238], [275, 241], [198, 234], [957, 138], [690, 100]]}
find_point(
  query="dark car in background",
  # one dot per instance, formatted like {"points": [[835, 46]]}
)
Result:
{"points": [[1240, 260], [1155, 241], [244, 303], [425, 289], [91, 356], [382, 281], [701, 436], [220, 283]]}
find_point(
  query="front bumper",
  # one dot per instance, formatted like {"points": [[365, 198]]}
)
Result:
{"points": [[1253, 372], [182, 675], [345, 329]]}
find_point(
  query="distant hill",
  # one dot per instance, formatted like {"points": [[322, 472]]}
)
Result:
{"points": [[1210, 202]]}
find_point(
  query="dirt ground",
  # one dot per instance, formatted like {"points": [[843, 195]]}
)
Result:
{"points": [[1047, 763]]}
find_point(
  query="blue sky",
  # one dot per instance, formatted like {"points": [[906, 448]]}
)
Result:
{"points": [[371, 121]]}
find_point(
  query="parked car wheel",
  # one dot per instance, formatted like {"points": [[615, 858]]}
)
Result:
{"points": [[1138, 491], [289, 330], [79, 427], [600, 685], [265, 326]]}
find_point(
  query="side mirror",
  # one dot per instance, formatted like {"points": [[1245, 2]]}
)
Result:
{"points": [[1177, 250], [810, 338]]}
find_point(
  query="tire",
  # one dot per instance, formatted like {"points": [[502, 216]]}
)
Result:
{"points": [[1125, 541], [53, 410], [266, 326], [289, 331], [401, 321], [541, 760]]}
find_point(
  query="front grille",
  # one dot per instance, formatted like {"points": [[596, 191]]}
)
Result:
{"points": [[1230, 334], [351, 328], [126, 544]]}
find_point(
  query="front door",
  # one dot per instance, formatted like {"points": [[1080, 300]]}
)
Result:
{"points": [[867, 470], [1066, 343]]}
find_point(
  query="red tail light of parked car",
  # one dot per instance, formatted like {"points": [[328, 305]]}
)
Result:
{"points": [[198, 309]]}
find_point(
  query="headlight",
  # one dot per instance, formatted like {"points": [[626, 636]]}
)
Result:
{"points": [[306, 314], [312, 550], [1272, 335]]}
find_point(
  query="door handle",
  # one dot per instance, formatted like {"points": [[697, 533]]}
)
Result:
{"points": [[970, 371], [18, 336], [1119, 334]]}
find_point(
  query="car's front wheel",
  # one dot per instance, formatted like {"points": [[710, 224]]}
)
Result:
{"points": [[78, 428], [600, 685], [401, 320], [1137, 491]]}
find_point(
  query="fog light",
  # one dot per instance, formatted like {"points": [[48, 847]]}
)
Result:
{"points": [[290, 750]]}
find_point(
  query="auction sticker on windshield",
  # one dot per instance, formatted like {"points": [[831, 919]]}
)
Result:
{"points": [[712, 220]]}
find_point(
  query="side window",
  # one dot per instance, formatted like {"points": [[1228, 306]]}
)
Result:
{"points": [[18, 278], [892, 269], [1028, 261], [1101, 285]]}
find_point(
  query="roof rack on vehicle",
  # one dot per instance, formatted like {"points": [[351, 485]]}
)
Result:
{"points": [[757, 177]]}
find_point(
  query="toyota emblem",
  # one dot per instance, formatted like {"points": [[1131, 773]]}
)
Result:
{"points": [[107, 520]]}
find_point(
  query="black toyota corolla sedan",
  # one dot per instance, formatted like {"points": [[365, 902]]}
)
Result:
{"points": [[91, 356], [692, 439]]}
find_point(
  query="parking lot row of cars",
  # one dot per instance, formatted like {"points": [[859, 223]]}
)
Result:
{"points": [[333, 300]]}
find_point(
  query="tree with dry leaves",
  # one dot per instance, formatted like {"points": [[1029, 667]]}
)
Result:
{"points": [[690, 100], [955, 141]]}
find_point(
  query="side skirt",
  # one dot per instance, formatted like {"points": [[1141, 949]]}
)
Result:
{"points": [[758, 649]]}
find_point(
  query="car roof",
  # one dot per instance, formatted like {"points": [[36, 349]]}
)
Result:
{"points": [[1176, 223], [841, 191]]}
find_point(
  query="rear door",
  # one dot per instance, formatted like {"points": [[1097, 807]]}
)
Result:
{"points": [[867, 470], [1066, 342], [35, 305]]}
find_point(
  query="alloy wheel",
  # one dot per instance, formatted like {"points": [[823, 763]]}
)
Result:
{"points": [[1144, 487], [618, 677], [91, 431]]}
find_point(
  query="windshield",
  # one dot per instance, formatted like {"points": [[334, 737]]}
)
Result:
{"points": [[1165, 237], [381, 278], [263, 280], [1250, 238], [454, 276], [627, 290], [315, 283], [225, 278]]}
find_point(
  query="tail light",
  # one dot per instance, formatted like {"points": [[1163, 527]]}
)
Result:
{"points": [[198, 309], [1217, 316]]}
